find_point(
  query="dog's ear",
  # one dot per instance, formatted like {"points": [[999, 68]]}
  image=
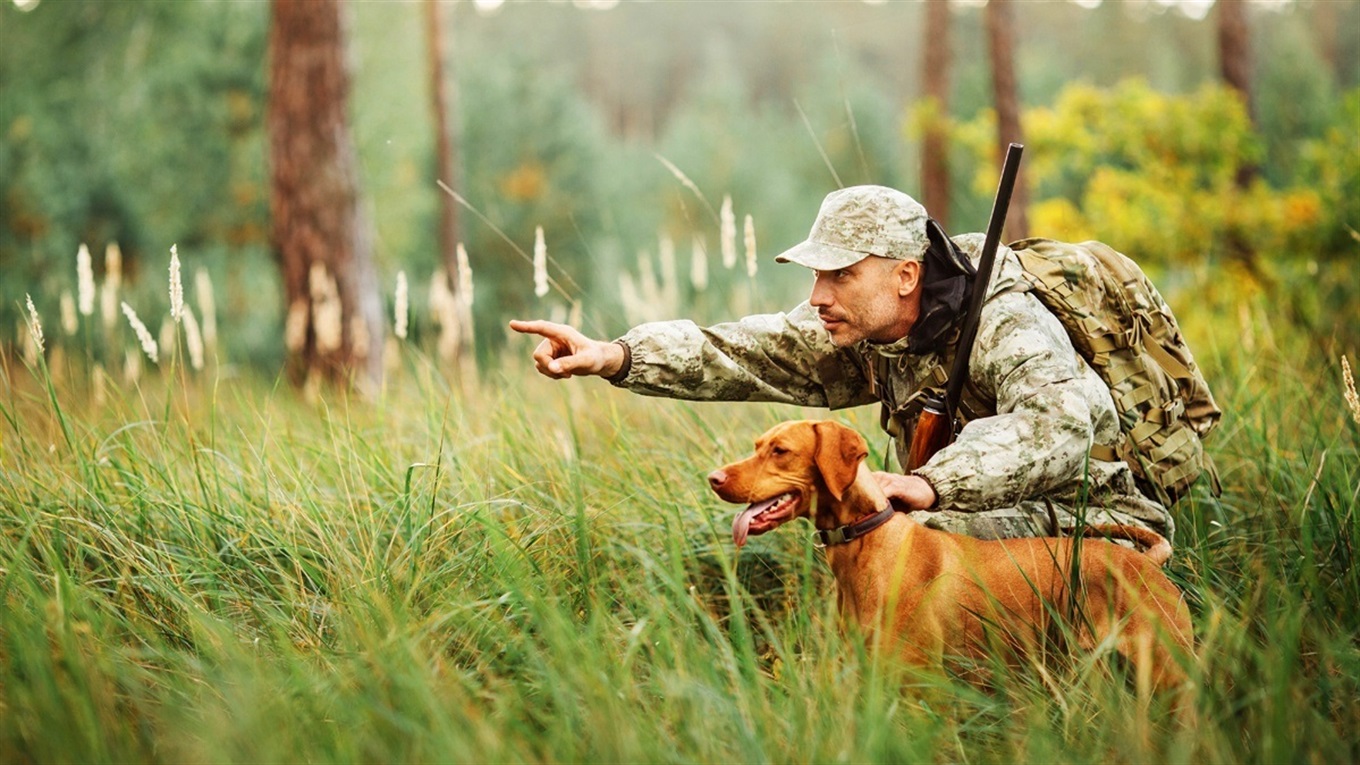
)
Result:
{"points": [[839, 450]]}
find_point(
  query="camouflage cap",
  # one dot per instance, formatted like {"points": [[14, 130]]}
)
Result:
{"points": [[860, 221]]}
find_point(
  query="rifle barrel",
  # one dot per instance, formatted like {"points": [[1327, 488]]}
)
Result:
{"points": [[959, 375]]}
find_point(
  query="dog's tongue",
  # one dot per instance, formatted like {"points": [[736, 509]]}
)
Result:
{"points": [[742, 523]]}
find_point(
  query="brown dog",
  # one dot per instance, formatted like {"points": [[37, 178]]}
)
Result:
{"points": [[930, 593]]}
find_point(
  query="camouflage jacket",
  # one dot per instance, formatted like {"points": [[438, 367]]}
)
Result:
{"points": [[1033, 406]]}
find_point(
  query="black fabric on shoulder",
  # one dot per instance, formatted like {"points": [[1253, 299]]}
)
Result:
{"points": [[946, 280]]}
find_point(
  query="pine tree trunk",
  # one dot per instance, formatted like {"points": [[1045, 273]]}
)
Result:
{"points": [[1001, 45], [334, 327], [446, 166], [935, 139], [1234, 58]]}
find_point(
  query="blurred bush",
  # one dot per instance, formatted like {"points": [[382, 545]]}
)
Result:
{"points": [[1155, 176]]}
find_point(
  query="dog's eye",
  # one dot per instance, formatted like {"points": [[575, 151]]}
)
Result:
{"points": [[778, 450]]}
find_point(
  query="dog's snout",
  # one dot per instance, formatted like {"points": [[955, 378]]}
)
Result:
{"points": [[717, 478]]}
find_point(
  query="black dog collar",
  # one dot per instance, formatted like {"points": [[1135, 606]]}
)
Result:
{"points": [[843, 534]]}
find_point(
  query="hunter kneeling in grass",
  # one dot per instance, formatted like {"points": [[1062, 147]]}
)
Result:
{"points": [[1045, 447]]}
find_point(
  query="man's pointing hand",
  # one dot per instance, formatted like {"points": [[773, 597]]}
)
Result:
{"points": [[566, 352]]}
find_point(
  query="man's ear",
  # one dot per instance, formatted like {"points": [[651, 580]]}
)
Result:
{"points": [[908, 274], [839, 451]]}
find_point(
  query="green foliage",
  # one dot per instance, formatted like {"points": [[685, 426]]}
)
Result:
{"points": [[1155, 176], [156, 142]]}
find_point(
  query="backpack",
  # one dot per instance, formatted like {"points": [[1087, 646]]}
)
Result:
{"points": [[1123, 328]]}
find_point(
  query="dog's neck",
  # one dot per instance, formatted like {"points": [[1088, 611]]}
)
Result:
{"points": [[859, 565], [861, 498]]}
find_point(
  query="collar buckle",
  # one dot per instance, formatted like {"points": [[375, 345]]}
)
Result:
{"points": [[852, 531]]}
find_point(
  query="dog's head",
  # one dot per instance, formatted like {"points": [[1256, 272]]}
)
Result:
{"points": [[797, 466]]}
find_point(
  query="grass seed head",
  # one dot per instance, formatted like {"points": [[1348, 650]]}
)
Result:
{"points": [[464, 277], [101, 385], [113, 280], [749, 232], [176, 286], [70, 321], [698, 265], [34, 324], [193, 339], [85, 280], [728, 226], [402, 308], [143, 335], [540, 263], [1348, 383], [207, 306]]}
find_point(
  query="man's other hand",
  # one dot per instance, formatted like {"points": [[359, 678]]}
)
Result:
{"points": [[912, 490], [565, 352]]}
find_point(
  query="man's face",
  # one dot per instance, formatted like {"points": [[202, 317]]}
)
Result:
{"points": [[874, 299]]}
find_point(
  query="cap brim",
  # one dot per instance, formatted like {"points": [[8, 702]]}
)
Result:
{"points": [[820, 257]]}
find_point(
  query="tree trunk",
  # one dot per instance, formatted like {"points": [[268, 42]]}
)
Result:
{"points": [[446, 162], [334, 327], [935, 139], [1234, 58], [1001, 45]]}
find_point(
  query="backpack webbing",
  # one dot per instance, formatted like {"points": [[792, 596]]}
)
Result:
{"points": [[1123, 328]]}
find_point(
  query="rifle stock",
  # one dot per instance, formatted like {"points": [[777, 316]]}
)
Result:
{"points": [[935, 425], [934, 431]]}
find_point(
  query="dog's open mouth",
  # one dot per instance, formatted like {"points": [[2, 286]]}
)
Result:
{"points": [[760, 517]]}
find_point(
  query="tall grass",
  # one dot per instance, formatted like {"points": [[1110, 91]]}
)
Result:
{"points": [[525, 570]]}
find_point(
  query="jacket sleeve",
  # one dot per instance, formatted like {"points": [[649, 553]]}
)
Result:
{"points": [[1048, 405], [785, 358]]}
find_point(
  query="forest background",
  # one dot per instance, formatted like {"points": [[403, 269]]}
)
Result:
{"points": [[143, 124], [471, 563]]}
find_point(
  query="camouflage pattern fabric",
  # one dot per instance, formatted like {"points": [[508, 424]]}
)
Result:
{"points": [[1033, 406]]}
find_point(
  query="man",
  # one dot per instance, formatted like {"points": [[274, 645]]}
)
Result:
{"points": [[881, 325]]}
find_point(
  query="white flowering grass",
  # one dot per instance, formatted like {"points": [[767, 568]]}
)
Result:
{"points": [[540, 263], [144, 337], [113, 281], [727, 232], [84, 281], [193, 339], [401, 309], [465, 291], [34, 324], [176, 286], [1348, 388], [207, 307], [698, 264], [70, 321], [749, 240]]}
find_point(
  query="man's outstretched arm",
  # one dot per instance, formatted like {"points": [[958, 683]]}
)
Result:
{"points": [[786, 358]]}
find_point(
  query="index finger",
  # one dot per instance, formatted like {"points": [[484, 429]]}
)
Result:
{"points": [[539, 327]]}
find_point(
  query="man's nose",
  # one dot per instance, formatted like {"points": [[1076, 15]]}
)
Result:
{"points": [[821, 294], [717, 478]]}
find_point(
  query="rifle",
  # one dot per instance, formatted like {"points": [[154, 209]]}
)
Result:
{"points": [[935, 426]]}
